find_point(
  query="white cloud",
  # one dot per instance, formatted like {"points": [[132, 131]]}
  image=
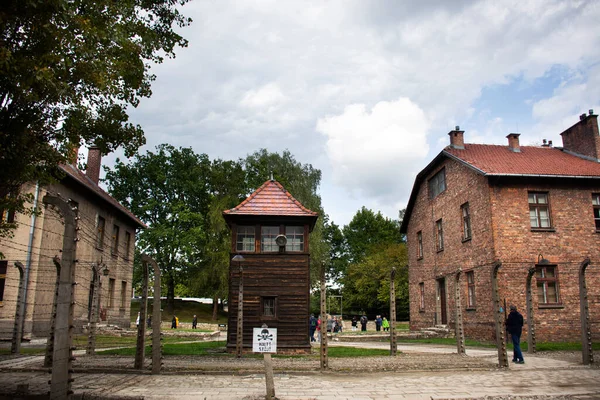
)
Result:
{"points": [[261, 73], [269, 96], [370, 149]]}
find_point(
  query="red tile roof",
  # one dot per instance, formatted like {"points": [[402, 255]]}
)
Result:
{"points": [[546, 161], [273, 200], [83, 179]]}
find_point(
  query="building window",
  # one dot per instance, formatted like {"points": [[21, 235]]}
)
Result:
{"points": [[547, 284], [439, 235], [422, 296], [267, 238], [245, 239], [111, 292], [466, 221], [7, 216], [269, 307], [127, 244], [437, 184], [539, 210], [419, 245], [295, 238], [123, 293], [3, 267], [100, 232], [470, 289], [115, 240], [596, 203]]}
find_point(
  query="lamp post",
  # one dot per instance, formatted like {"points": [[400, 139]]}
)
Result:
{"points": [[239, 342]]}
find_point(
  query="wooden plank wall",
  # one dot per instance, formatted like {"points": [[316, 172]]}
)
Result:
{"points": [[284, 276]]}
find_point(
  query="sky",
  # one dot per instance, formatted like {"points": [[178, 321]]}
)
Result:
{"points": [[367, 91]]}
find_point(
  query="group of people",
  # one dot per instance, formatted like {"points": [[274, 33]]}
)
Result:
{"points": [[175, 322], [332, 325]]}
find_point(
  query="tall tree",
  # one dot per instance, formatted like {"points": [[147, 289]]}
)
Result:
{"points": [[169, 191], [209, 276], [68, 71], [373, 245]]}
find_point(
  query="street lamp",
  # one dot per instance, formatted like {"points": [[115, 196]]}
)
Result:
{"points": [[240, 318]]}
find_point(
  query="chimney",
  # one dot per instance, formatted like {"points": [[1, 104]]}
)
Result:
{"points": [[457, 140], [94, 161], [582, 138], [513, 142], [74, 155]]}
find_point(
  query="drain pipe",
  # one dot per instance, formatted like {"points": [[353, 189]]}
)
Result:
{"points": [[29, 251]]}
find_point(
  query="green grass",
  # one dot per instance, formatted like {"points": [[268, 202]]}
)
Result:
{"points": [[25, 351], [104, 341], [218, 349], [184, 310]]}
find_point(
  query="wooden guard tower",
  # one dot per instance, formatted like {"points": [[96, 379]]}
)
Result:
{"points": [[270, 230]]}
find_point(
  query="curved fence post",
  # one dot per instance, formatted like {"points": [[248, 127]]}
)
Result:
{"points": [[460, 332], [393, 341], [156, 317], [323, 317], [15, 347], [586, 333], [498, 318], [530, 319], [93, 322]]}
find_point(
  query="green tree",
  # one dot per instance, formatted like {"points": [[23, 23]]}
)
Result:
{"points": [[167, 190], [367, 229], [209, 276], [69, 69], [373, 245], [368, 281]]}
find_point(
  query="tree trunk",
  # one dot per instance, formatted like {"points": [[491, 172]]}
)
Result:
{"points": [[170, 294], [215, 308]]}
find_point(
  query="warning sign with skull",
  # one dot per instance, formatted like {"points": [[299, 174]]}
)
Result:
{"points": [[264, 340]]}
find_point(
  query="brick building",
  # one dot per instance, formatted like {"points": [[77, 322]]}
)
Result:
{"points": [[106, 238], [523, 206]]}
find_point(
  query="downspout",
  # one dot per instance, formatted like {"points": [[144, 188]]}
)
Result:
{"points": [[29, 252]]}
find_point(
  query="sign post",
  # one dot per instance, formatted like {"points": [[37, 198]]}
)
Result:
{"points": [[264, 340]]}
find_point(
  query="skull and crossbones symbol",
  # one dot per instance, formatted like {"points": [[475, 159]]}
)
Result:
{"points": [[265, 335]]}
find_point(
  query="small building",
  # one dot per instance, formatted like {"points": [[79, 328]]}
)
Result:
{"points": [[106, 239], [270, 230], [525, 207]]}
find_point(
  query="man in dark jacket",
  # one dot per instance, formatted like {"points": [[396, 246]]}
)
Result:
{"points": [[514, 326], [312, 327]]}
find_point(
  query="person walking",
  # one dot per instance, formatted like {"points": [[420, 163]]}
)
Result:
{"points": [[354, 324], [514, 326], [378, 322], [194, 322], [174, 322], [312, 327]]}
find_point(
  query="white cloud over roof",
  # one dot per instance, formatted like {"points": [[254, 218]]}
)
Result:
{"points": [[366, 91]]}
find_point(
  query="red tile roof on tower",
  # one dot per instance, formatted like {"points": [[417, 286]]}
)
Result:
{"points": [[271, 199], [530, 160]]}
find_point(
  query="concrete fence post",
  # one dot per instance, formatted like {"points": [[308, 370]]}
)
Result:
{"points": [[17, 336], [156, 317], [530, 315], [586, 332], [460, 331], [323, 353], [60, 385], [140, 350], [499, 318], [393, 341]]}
